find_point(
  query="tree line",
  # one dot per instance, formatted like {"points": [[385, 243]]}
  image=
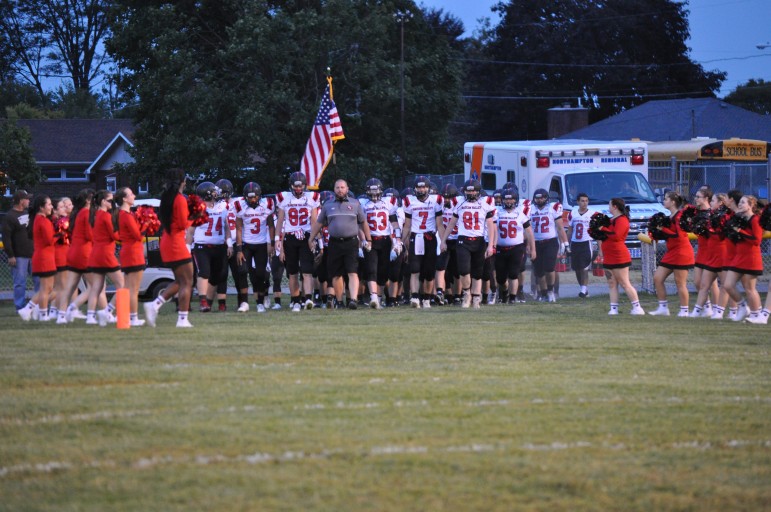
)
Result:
{"points": [[229, 88]]}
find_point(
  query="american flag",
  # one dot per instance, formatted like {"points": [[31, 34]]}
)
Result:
{"points": [[326, 130]]}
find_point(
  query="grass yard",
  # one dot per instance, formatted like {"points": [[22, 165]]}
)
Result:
{"points": [[551, 407]]}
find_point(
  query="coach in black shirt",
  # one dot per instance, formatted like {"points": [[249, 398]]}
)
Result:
{"points": [[344, 218], [17, 243]]}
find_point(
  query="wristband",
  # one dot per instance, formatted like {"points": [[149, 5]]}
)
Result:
{"points": [[229, 243], [277, 238]]}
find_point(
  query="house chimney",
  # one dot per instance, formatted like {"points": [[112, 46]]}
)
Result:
{"points": [[565, 119]]}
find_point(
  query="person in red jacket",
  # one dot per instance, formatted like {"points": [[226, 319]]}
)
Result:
{"points": [[617, 258], [678, 259], [43, 258], [132, 251], [175, 254], [61, 210], [747, 262], [102, 262], [710, 260]]}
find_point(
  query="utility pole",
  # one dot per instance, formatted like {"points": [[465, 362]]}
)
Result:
{"points": [[402, 17]]}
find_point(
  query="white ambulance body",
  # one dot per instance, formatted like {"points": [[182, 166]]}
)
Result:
{"points": [[601, 169]]}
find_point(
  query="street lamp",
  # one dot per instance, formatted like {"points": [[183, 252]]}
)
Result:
{"points": [[402, 17], [763, 46]]}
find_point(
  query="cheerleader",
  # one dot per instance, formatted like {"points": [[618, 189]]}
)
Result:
{"points": [[132, 254], [102, 262], [678, 259], [709, 257], [617, 258], [61, 214], [731, 202], [43, 258], [174, 250], [747, 262]]}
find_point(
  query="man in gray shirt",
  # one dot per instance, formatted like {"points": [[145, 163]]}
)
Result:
{"points": [[18, 246], [344, 218]]}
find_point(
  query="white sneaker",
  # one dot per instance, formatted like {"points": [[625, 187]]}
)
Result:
{"points": [[91, 321], [660, 312], [150, 313], [137, 323], [243, 307], [613, 312], [308, 304], [683, 314], [476, 302], [78, 315], [741, 314], [637, 311], [757, 319], [25, 313], [111, 319], [61, 320], [466, 301], [426, 304], [296, 307], [374, 302], [695, 314], [276, 306], [103, 318], [550, 297], [732, 315], [415, 303], [706, 312], [45, 317], [260, 308], [35, 312], [716, 316], [184, 323]]}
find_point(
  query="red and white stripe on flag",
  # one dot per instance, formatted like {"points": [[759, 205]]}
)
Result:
{"points": [[326, 130]]}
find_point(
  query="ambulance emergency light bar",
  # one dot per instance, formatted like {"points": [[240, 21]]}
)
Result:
{"points": [[543, 157]]}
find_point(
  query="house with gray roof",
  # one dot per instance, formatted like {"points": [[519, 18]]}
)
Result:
{"points": [[682, 119], [78, 153]]}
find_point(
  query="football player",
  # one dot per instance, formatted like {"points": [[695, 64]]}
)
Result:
{"points": [[297, 211], [254, 232], [227, 202], [514, 236], [212, 246], [446, 267], [420, 236], [550, 241], [386, 236], [580, 242], [471, 214]]}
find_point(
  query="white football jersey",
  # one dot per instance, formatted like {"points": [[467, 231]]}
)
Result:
{"points": [[297, 210], [422, 214], [446, 216], [544, 219], [472, 215], [229, 205], [255, 220], [213, 231], [580, 225], [379, 214], [511, 226]]}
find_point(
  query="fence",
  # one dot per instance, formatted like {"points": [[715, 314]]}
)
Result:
{"points": [[686, 178]]}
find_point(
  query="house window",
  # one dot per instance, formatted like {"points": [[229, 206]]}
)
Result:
{"points": [[143, 188], [111, 183], [65, 174]]}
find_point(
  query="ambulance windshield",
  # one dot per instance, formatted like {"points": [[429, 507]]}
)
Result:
{"points": [[601, 187]]}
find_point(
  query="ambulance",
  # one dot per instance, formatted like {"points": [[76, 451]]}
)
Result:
{"points": [[600, 169]]}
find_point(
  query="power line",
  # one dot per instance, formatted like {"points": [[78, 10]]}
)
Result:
{"points": [[608, 66]]}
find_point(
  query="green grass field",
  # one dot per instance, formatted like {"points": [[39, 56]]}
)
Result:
{"points": [[533, 407]]}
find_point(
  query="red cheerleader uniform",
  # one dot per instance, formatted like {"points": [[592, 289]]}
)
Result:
{"points": [[102, 259], [679, 255], [711, 252], [747, 258], [81, 243], [62, 247], [614, 250], [174, 251], [132, 254], [44, 253]]}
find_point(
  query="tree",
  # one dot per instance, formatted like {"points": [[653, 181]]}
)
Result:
{"points": [[53, 37], [16, 161], [755, 95], [232, 85], [610, 55]]}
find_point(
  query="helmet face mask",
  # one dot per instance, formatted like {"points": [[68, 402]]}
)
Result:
{"points": [[374, 189], [472, 190], [509, 198], [298, 182], [421, 186], [207, 191], [540, 197], [252, 193]]}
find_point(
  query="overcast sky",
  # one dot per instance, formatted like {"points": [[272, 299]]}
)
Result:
{"points": [[724, 34]]}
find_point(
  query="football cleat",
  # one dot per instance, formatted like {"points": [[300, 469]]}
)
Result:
{"points": [[260, 308], [222, 308], [296, 307], [276, 306], [426, 304], [244, 307], [415, 302], [466, 301], [309, 304], [476, 302]]}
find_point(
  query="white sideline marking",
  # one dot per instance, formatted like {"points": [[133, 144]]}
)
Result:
{"points": [[66, 418], [287, 456]]}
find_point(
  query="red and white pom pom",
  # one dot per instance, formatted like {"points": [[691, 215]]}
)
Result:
{"points": [[197, 210], [148, 220], [62, 230]]}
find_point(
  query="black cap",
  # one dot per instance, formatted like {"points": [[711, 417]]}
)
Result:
{"points": [[20, 195]]}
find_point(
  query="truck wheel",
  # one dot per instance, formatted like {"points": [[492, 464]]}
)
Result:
{"points": [[158, 288]]}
